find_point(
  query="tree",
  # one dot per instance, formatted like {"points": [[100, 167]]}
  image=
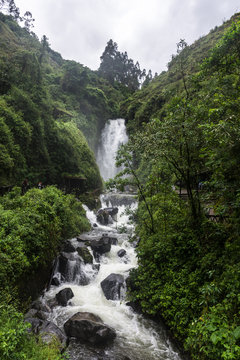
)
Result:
{"points": [[28, 20], [116, 67]]}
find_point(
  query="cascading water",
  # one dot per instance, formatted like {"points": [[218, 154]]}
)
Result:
{"points": [[113, 135], [137, 338]]}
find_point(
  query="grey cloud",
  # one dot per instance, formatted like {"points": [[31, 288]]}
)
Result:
{"points": [[147, 29]]}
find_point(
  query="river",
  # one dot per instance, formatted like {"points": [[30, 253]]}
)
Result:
{"points": [[137, 338]]}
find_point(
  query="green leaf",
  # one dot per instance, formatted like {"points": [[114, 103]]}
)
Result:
{"points": [[214, 338], [236, 332]]}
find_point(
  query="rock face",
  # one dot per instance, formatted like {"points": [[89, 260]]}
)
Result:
{"points": [[90, 328], [64, 296], [112, 286]]}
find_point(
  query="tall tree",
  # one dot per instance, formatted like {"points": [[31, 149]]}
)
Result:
{"points": [[116, 67]]}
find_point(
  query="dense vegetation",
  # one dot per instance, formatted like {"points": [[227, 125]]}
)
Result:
{"points": [[184, 159], [121, 71], [46, 105], [33, 226]]}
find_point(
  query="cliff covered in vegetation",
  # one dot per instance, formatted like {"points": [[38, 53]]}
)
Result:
{"points": [[48, 106], [183, 156]]}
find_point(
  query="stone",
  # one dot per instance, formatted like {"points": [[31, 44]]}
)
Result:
{"points": [[31, 313], [40, 306], [42, 315], [121, 253], [102, 217], [69, 266], [55, 281], [112, 286], [35, 324], [101, 246], [90, 328], [105, 216], [85, 254], [64, 296], [68, 247], [48, 331]]}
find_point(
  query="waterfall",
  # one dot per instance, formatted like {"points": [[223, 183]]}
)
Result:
{"points": [[113, 135], [137, 338]]}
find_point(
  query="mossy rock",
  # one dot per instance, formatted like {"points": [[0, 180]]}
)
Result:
{"points": [[85, 254]]}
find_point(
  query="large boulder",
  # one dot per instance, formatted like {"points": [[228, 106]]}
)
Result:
{"points": [[68, 247], [64, 296], [35, 324], [90, 328], [112, 286], [112, 211], [55, 281], [48, 331], [85, 255], [104, 216], [40, 306], [102, 246], [70, 268]]}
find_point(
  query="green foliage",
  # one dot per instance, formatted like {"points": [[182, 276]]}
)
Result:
{"points": [[32, 228], [117, 68], [39, 94], [15, 341], [189, 258]]}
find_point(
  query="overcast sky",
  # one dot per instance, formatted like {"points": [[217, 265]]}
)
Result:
{"points": [[147, 29]]}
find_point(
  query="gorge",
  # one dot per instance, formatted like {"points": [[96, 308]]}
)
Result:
{"points": [[137, 338]]}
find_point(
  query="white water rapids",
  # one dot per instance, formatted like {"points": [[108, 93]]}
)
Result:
{"points": [[137, 338]]}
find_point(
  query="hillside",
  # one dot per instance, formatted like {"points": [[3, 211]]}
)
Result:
{"points": [[183, 156], [149, 101], [49, 107]]}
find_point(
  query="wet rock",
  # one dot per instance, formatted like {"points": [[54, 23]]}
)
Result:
{"points": [[31, 313], [42, 315], [104, 216], [80, 350], [52, 303], [85, 254], [96, 267], [101, 246], [69, 265], [55, 281], [35, 324], [48, 331], [90, 328], [135, 306], [68, 247], [64, 296], [86, 237], [95, 225], [112, 286], [62, 264], [121, 253], [40, 306]]}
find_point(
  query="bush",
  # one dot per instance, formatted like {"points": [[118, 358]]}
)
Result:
{"points": [[17, 344], [32, 229]]}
